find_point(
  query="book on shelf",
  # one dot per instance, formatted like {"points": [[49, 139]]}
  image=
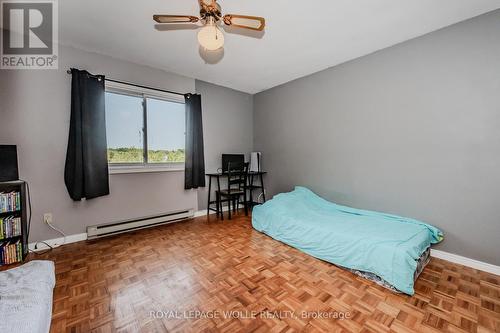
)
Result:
{"points": [[10, 226], [11, 252], [10, 202]]}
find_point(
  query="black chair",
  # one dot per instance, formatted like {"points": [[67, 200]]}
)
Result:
{"points": [[236, 188]]}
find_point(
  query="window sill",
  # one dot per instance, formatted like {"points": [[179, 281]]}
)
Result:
{"points": [[118, 170]]}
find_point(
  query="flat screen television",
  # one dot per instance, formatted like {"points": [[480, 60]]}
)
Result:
{"points": [[233, 159], [8, 163]]}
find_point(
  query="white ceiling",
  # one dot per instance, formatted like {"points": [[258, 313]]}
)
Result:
{"points": [[301, 37]]}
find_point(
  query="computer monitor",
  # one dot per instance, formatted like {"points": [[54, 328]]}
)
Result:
{"points": [[233, 159], [8, 163]]}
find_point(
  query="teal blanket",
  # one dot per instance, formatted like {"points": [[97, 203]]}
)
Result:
{"points": [[383, 244]]}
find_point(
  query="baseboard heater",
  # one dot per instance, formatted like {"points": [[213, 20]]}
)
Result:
{"points": [[102, 230]]}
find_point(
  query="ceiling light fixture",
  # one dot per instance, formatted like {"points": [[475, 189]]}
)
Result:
{"points": [[210, 36]]}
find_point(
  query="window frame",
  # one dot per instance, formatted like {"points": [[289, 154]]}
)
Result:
{"points": [[144, 93]]}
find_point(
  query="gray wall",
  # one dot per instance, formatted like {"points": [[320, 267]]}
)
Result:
{"points": [[413, 130], [227, 126], [35, 113]]}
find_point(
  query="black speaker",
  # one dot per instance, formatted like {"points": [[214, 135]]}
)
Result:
{"points": [[8, 163]]}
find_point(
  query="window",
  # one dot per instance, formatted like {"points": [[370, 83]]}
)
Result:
{"points": [[124, 128], [145, 128]]}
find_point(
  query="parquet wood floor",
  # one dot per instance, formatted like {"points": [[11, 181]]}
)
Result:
{"points": [[155, 280]]}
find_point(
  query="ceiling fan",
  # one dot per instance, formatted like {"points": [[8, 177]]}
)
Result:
{"points": [[210, 36]]}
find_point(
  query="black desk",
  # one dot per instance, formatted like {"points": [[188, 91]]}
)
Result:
{"points": [[251, 186]]}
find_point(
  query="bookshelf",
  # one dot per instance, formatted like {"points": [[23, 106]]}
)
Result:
{"points": [[13, 222]]}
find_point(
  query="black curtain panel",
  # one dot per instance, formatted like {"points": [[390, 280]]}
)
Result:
{"points": [[195, 159], [86, 171]]}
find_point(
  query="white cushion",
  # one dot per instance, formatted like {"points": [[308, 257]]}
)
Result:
{"points": [[26, 297]]}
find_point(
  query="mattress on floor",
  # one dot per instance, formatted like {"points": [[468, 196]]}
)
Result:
{"points": [[385, 245], [421, 263]]}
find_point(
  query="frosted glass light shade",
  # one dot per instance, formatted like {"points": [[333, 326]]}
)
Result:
{"points": [[210, 37]]}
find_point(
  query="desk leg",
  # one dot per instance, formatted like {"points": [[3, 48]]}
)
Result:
{"points": [[263, 188], [219, 203], [209, 193]]}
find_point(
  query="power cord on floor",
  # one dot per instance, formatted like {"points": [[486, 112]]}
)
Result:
{"points": [[30, 214], [60, 232], [51, 247], [39, 253]]}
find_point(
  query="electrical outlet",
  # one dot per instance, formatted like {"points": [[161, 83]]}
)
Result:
{"points": [[47, 218]]}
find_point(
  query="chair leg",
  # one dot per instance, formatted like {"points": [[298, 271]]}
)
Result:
{"points": [[217, 203], [245, 204], [229, 207], [220, 208]]}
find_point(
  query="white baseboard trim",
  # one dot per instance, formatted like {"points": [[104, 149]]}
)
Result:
{"points": [[476, 264], [201, 213], [204, 211], [55, 242], [58, 242]]}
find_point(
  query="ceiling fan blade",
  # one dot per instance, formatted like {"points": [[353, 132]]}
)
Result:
{"points": [[244, 21], [176, 26], [175, 19]]}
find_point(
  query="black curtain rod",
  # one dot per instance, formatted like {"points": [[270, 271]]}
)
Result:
{"points": [[136, 85]]}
